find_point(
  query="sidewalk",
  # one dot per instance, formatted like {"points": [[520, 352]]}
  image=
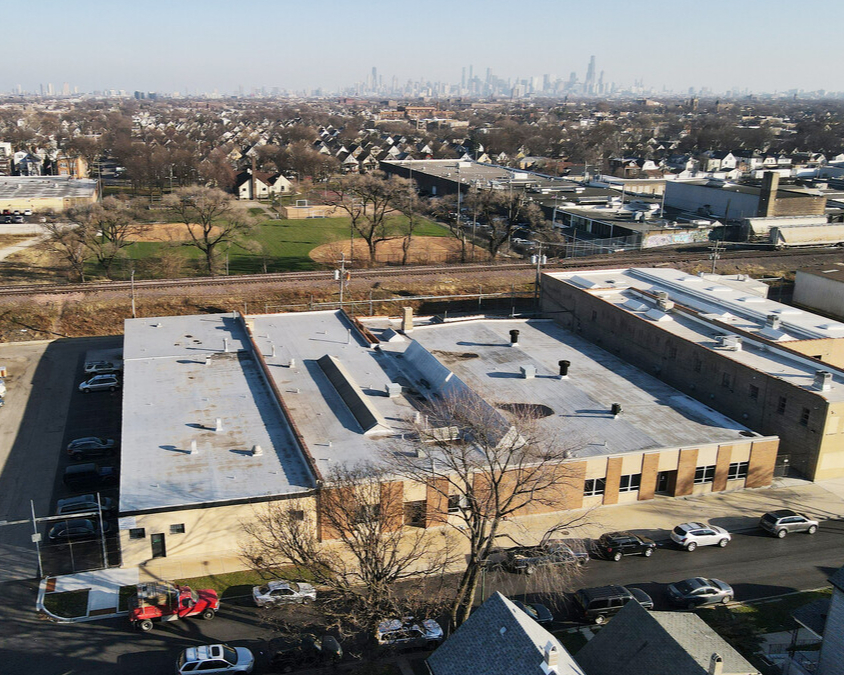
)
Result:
{"points": [[734, 511]]}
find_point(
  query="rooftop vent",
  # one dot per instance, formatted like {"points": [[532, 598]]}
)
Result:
{"points": [[616, 409], [729, 342], [514, 338], [193, 449], [257, 451], [823, 380], [773, 321], [528, 372], [716, 664], [564, 368], [218, 426]]}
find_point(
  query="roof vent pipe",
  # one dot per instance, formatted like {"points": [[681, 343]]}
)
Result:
{"points": [[564, 369], [257, 451], [193, 449], [716, 664], [225, 344], [208, 359], [552, 655], [514, 338], [219, 425], [616, 409]]}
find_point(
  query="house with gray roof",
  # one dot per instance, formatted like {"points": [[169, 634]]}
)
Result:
{"points": [[639, 642], [500, 639]]}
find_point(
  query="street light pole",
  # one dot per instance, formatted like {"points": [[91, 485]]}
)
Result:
{"points": [[132, 281]]}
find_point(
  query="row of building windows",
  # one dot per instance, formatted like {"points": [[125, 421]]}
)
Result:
{"points": [[141, 532], [593, 487]]}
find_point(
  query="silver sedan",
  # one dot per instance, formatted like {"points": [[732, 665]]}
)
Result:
{"points": [[699, 591]]}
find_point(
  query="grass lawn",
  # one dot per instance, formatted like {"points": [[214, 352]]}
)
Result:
{"points": [[285, 245], [239, 584], [69, 605], [775, 615]]}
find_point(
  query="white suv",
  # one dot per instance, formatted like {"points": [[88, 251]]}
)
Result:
{"points": [[218, 658], [691, 535]]}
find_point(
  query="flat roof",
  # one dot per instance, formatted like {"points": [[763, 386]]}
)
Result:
{"points": [[40, 187], [624, 218], [177, 381], [833, 271], [726, 304], [180, 376]]}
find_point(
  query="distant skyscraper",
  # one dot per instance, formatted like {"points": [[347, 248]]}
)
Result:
{"points": [[49, 89], [589, 83]]}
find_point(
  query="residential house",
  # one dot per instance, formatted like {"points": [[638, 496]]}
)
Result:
{"points": [[639, 642], [263, 186], [500, 639], [825, 619]]}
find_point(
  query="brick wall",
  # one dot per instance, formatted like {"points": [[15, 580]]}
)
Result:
{"points": [[650, 466], [763, 456], [722, 468], [436, 503], [686, 472], [613, 478]]}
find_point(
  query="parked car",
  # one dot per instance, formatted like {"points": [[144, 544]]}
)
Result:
{"points": [[83, 504], [600, 603], [100, 383], [699, 591], [528, 559], [311, 652], [102, 367], [76, 529], [27, 212], [218, 658], [691, 535], [780, 523], [408, 632], [283, 592], [90, 446], [88, 476], [537, 612], [616, 545], [18, 219]]}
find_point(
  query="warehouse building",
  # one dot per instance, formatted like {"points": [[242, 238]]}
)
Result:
{"points": [[224, 413], [776, 368], [45, 193]]}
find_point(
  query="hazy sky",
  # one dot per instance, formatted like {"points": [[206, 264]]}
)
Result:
{"points": [[157, 45]]}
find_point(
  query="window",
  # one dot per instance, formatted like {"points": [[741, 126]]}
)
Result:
{"points": [[594, 486], [630, 483], [368, 513], [454, 503], [414, 513], [698, 364], [781, 405], [672, 352], [804, 417], [704, 474], [177, 529], [754, 392], [297, 515], [137, 533], [737, 470], [725, 379]]}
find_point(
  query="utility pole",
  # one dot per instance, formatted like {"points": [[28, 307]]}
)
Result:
{"points": [[132, 281], [716, 252], [36, 539], [540, 260], [102, 532], [342, 276]]}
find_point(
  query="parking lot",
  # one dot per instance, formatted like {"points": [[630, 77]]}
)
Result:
{"points": [[44, 411]]}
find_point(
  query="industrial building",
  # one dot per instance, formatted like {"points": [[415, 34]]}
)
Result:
{"points": [[821, 288], [223, 413], [776, 368], [43, 193]]}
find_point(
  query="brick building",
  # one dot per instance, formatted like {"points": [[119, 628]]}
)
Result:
{"points": [[777, 369]]}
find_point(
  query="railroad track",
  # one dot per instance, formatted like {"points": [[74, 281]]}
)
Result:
{"points": [[612, 260]]}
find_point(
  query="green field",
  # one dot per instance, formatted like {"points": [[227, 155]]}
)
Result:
{"points": [[285, 246]]}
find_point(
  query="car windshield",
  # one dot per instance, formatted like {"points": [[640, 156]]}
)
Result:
{"points": [[688, 585], [263, 590], [229, 654]]}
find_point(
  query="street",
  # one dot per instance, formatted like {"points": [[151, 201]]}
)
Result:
{"points": [[756, 565]]}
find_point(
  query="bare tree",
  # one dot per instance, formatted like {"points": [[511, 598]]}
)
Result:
{"points": [[487, 464], [105, 229], [408, 204], [504, 211], [67, 241], [445, 211], [369, 548], [213, 219], [368, 200]]}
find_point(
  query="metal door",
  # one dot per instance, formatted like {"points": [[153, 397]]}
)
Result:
{"points": [[159, 548]]}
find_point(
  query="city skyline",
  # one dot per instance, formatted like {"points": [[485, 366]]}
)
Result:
{"points": [[198, 47]]}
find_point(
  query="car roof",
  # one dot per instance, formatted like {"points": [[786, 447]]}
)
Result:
{"points": [[81, 499], [603, 592], [693, 526], [204, 652], [782, 513], [79, 522], [275, 585]]}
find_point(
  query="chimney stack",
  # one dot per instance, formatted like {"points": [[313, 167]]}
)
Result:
{"points": [[407, 319], [716, 664], [773, 321], [768, 195], [514, 338], [823, 380]]}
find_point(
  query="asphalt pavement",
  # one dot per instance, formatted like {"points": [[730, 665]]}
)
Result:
{"points": [[756, 565]]}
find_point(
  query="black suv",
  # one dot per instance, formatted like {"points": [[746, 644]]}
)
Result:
{"points": [[616, 545], [528, 559], [600, 603], [87, 476]]}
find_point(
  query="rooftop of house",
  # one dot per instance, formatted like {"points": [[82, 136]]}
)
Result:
{"points": [[39, 187], [658, 643], [349, 400], [716, 309], [500, 639]]}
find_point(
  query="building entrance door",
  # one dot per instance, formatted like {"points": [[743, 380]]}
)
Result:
{"points": [[159, 548], [665, 482]]}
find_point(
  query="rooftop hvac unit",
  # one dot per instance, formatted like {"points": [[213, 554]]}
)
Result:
{"points": [[729, 342]]}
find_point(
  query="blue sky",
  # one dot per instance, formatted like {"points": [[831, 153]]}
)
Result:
{"points": [[167, 46]]}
